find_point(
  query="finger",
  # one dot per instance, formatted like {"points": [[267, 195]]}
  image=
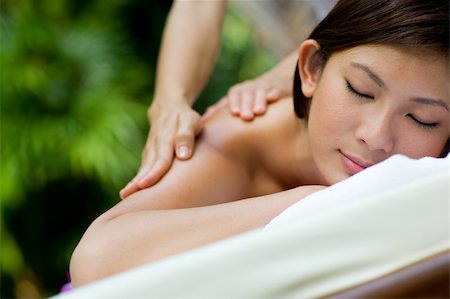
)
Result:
{"points": [[133, 185], [147, 162], [156, 173], [184, 144], [150, 151], [234, 103], [259, 105], [148, 159], [189, 127], [143, 172], [150, 155], [129, 189], [247, 106], [273, 95], [162, 163]]}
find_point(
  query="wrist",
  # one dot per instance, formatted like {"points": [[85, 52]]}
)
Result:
{"points": [[161, 104], [174, 95]]}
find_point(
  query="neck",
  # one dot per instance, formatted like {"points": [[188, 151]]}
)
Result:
{"points": [[303, 168], [293, 164]]}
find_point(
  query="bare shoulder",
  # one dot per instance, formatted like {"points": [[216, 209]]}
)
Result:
{"points": [[220, 170], [236, 137], [259, 147]]}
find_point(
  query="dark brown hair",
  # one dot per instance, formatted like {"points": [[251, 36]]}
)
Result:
{"points": [[411, 23]]}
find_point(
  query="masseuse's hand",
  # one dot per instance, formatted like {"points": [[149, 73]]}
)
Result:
{"points": [[173, 128], [250, 98]]}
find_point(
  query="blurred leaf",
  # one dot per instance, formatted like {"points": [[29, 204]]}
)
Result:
{"points": [[67, 111], [10, 259]]}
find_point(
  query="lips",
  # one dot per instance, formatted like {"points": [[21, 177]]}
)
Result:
{"points": [[354, 164]]}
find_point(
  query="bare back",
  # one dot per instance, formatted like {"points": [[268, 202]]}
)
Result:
{"points": [[234, 159]]}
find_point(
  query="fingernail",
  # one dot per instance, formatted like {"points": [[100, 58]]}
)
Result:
{"points": [[183, 151], [258, 108], [235, 110], [247, 114]]}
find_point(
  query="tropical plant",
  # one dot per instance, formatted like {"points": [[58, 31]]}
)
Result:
{"points": [[67, 115]]}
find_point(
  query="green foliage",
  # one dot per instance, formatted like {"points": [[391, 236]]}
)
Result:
{"points": [[75, 81], [65, 105], [67, 111]]}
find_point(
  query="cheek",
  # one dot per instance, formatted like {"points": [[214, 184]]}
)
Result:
{"points": [[422, 144], [329, 114]]}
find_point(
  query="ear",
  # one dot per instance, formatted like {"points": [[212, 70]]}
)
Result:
{"points": [[309, 66]]}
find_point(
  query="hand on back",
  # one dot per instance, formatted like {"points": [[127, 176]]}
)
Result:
{"points": [[250, 98], [174, 128]]}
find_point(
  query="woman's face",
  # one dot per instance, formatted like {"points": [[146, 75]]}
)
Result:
{"points": [[371, 102]]}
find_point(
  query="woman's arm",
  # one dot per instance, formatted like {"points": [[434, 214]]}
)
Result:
{"points": [[190, 44], [115, 243], [189, 48]]}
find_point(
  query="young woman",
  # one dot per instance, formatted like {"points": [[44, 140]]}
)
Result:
{"points": [[371, 82], [181, 75]]}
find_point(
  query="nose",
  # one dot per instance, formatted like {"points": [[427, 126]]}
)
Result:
{"points": [[376, 133]]}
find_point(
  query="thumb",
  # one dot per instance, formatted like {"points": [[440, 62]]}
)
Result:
{"points": [[184, 144]]}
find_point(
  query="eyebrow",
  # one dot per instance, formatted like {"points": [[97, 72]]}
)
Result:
{"points": [[380, 82], [432, 102], [371, 73]]}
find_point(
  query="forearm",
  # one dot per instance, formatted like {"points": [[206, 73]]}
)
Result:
{"points": [[132, 239], [284, 70], [191, 42]]}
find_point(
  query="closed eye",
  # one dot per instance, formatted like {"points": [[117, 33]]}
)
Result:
{"points": [[352, 90], [422, 124]]}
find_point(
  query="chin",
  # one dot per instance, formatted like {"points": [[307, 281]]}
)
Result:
{"points": [[335, 177], [331, 169]]}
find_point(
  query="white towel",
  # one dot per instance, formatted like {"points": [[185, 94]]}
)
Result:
{"points": [[387, 175]]}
